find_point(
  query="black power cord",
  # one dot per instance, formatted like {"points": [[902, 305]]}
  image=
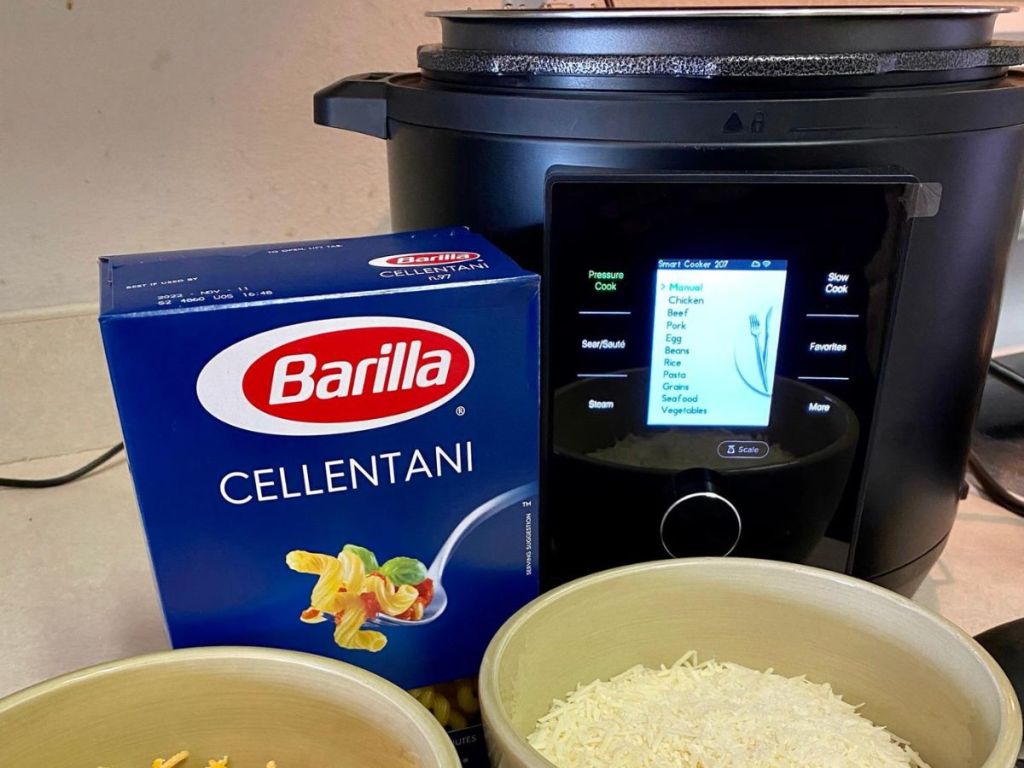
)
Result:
{"points": [[1000, 494], [51, 482]]}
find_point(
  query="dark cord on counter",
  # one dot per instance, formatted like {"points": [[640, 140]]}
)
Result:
{"points": [[50, 482], [999, 493]]}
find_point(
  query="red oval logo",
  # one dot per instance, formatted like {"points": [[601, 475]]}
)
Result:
{"points": [[424, 259], [357, 375], [328, 377]]}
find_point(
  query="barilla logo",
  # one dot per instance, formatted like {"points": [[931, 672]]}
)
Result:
{"points": [[334, 376], [424, 259]]}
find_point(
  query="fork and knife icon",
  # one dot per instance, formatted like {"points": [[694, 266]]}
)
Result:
{"points": [[761, 333]]}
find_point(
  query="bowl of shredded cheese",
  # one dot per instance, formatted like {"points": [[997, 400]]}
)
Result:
{"points": [[734, 663], [221, 708]]}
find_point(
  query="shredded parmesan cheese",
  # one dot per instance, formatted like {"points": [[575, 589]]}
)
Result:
{"points": [[713, 715]]}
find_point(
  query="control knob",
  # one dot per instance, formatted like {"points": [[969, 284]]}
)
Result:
{"points": [[702, 523]]}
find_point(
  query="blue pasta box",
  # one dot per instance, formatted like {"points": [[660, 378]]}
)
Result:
{"points": [[334, 446]]}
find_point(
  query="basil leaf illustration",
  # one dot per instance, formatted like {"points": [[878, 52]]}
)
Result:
{"points": [[404, 570], [368, 558]]}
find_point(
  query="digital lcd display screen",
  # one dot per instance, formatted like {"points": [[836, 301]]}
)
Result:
{"points": [[715, 339]]}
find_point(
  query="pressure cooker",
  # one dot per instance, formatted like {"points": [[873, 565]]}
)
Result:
{"points": [[772, 244]]}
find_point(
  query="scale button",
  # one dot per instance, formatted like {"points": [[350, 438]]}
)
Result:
{"points": [[743, 449]]}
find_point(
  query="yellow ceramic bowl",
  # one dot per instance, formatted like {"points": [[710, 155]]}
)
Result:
{"points": [[252, 704], [915, 672]]}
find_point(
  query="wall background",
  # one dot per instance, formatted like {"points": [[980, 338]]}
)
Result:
{"points": [[141, 125], [160, 124]]}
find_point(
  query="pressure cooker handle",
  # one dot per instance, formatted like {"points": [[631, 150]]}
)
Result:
{"points": [[357, 103]]}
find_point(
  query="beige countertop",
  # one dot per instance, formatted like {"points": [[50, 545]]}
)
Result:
{"points": [[76, 586]]}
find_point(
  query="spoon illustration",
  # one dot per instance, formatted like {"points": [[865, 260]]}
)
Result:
{"points": [[484, 512]]}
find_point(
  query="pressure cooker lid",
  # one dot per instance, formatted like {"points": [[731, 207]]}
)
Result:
{"points": [[777, 42]]}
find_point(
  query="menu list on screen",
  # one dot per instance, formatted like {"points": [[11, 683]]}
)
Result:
{"points": [[715, 340]]}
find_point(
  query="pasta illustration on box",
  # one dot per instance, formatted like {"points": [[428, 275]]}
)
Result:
{"points": [[353, 589]]}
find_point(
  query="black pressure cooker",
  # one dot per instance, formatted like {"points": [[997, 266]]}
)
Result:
{"points": [[772, 244]]}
